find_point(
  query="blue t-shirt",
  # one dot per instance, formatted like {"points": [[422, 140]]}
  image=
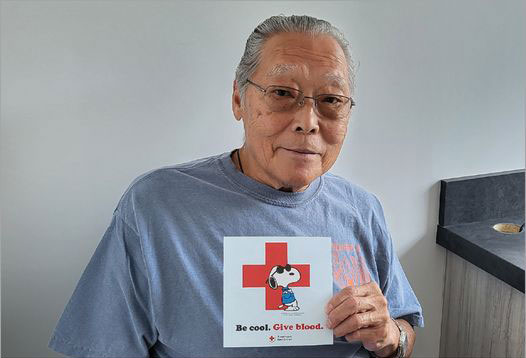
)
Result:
{"points": [[154, 286], [287, 296]]}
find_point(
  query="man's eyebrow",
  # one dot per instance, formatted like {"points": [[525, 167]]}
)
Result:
{"points": [[336, 80], [281, 68]]}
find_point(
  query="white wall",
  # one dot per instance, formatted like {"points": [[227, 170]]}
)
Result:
{"points": [[92, 95]]}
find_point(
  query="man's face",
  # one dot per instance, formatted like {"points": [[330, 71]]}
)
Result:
{"points": [[271, 154]]}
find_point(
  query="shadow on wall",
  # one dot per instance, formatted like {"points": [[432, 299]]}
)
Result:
{"points": [[424, 265]]}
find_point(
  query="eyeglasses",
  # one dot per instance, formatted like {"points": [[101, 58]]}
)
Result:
{"points": [[282, 99], [280, 268]]}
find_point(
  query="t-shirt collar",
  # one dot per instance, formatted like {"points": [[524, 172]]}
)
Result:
{"points": [[265, 192]]}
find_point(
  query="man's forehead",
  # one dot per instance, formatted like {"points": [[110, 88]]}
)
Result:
{"points": [[282, 69]]}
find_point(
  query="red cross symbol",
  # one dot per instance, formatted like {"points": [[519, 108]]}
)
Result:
{"points": [[257, 275]]}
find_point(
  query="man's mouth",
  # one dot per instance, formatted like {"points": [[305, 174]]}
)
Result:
{"points": [[301, 150]]}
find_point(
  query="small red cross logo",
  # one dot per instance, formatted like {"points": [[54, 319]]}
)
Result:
{"points": [[271, 338], [257, 275]]}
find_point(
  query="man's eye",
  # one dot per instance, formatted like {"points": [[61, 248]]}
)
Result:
{"points": [[331, 100], [280, 92]]}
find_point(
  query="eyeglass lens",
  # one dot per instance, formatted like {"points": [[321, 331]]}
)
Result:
{"points": [[280, 99], [280, 268]]}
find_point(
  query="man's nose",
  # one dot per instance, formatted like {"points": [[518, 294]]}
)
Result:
{"points": [[306, 118]]}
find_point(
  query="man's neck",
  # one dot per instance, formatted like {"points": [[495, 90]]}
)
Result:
{"points": [[289, 190], [247, 168]]}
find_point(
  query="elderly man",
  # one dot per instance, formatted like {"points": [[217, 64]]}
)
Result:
{"points": [[154, 284]]}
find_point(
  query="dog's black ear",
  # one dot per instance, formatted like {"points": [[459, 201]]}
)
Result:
{"points": [[272, 283]]}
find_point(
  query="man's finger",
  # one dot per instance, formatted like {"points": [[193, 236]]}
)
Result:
{"points": [[358, 321], [350, 306], [372, 338], [345, 293], [349, 291]]}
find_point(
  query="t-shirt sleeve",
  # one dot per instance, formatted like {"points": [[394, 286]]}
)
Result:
{"points": [[110, 312], [402, 301]]}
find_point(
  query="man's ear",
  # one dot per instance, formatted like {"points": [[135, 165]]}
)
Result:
{"points": [[236, 102]]}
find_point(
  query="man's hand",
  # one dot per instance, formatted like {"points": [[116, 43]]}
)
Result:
{"points": [[360, 314]]}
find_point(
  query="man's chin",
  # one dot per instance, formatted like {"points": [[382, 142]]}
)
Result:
{"points": [[297, 183]]}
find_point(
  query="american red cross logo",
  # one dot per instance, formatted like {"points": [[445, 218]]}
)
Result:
{"points": [[257, 275]]}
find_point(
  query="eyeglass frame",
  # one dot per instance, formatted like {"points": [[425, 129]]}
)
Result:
{"points": [[302, 95]]}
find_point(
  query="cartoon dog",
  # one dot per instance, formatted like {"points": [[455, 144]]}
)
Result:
{"points": [[283, 276]]}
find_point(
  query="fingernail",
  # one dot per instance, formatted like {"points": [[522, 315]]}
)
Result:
{"points": [[328, 308], [328, 323]]}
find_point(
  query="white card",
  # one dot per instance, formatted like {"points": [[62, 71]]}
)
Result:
{"points": [[275, 290]]}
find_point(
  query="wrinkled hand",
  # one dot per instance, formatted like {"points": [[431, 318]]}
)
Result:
{"points": [[360, 314]]}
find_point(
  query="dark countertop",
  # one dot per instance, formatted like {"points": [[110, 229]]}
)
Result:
{"points": [[469, 207], [502, 255]]}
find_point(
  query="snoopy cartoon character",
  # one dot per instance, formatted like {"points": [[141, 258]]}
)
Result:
{"points": [[283, 276]]}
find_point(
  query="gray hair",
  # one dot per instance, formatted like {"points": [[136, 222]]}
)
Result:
{"points": [[281, 23]]}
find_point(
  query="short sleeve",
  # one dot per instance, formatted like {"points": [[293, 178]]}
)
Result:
{"points": [[110, 312], [402, 301]]}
